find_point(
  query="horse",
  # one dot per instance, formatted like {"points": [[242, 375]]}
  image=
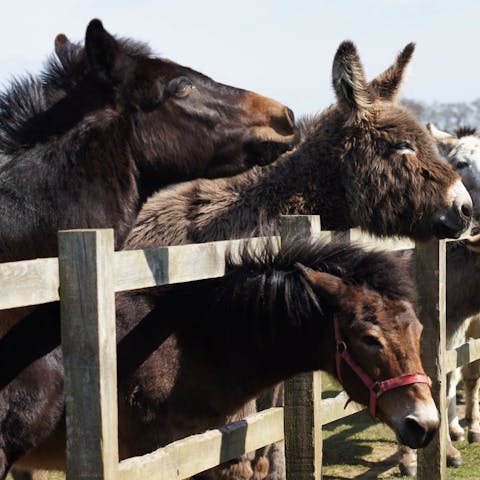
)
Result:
{"points": [[364, 161], [188, 354], [105, 125], [462, 151]]}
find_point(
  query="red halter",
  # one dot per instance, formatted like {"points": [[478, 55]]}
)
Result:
{"points": [[376, 388]]}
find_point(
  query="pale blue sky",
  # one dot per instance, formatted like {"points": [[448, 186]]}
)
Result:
{"points": [[282, 49]]}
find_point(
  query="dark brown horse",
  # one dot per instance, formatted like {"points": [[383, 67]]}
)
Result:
{"points": [[106, 125], [364, 162], [188, 354]]}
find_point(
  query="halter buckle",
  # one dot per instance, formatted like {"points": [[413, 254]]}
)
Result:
{"points": [[341, 347]]}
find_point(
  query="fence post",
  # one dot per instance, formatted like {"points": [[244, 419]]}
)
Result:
{"points": [[303, 393], [87, 302], [430, 259]]}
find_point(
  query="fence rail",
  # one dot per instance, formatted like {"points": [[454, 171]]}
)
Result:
{"points": [[88, 273]]}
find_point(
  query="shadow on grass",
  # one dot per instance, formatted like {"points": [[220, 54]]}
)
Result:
{"points": [[347, 444]]}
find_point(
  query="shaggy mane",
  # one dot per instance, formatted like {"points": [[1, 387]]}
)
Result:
{"points": [[464, 131], [266, 280], [28, 96]]}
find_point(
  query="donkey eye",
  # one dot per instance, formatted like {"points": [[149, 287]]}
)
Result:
{"points": [[461, 165], [180, 87], [403, 148], [371, 341]]}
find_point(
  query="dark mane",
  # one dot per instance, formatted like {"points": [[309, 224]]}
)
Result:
{"points": [[257, 281], [29, 96], [464, 131]]}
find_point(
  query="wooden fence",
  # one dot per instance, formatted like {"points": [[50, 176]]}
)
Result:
{"points": [[85, 278]]}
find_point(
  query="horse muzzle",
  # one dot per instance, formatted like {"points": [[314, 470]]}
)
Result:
{"points": [[416, 431]]}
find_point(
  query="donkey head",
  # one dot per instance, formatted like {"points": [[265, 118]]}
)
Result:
{"points": [[183, 124], [394, 179], [462, 152], [382, 337]]}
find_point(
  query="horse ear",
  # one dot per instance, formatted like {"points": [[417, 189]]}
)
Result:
{"points": [[387, 85], [64, 48], [327, 286], [445, 141], [102, 51], [349, 82]]}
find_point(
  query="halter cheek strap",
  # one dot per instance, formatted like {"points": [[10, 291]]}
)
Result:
{"points": [[375, 388]]}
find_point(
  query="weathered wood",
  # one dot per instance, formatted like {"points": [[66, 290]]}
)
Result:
{"points": [[183, 263], [462, 355], [336, 408], [29, 282], [89, 349], [197, 453], [303, 393], [430, 261]]}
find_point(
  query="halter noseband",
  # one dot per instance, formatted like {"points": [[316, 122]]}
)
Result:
{"points": [[375, 388]]}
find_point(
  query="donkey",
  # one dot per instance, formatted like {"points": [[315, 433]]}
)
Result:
{"points": [[106, 125], [364, 161], [188, 354]]}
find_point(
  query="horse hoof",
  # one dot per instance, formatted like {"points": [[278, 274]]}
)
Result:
{"points": [[455, 462], [408, 470], [473, 437], [457, 436]]}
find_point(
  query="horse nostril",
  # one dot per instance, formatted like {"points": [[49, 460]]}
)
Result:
{"points": [[467, 210], [290, 117]]}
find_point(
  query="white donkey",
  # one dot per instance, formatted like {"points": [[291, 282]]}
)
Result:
{"points": [[462, 151]]}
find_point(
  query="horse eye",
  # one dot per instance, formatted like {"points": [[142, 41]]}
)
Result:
{"points": [[180, 87], [404, 148], [371, 341], [461, 165]]}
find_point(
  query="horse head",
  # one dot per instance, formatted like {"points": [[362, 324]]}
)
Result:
{"points": [[376, 340]]}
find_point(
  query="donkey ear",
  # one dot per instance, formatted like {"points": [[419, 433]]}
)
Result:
{"points": [[473, 243], [102, 50], [387, 85], [349, 82], [327, 286], [445, 141]]}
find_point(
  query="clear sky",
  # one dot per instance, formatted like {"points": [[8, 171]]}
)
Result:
{"points": [[283, 49]]}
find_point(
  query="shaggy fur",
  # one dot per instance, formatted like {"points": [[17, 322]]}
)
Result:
{"points": [[382, 172]]}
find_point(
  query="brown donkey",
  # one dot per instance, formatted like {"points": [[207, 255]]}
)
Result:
{"points": [[365, 161], [188, 354]]}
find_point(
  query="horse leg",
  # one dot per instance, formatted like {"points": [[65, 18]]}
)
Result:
{"points": [[454, 427], [472, 383], [407, 461], [18, 474], [273, 454], [454, 459], [240, 468]]}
